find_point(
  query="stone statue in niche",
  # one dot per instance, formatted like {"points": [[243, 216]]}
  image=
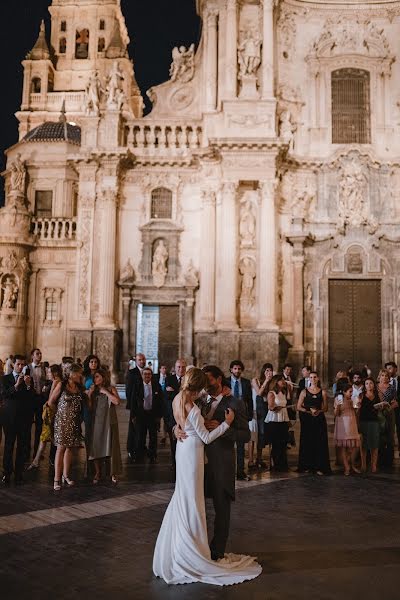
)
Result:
{"points": [[247, 224], [10, 293], [182, 66], [353, 206], [18, 174], [159, 265], [92, 95], [249, 54], [115, 95], [247, 270]]}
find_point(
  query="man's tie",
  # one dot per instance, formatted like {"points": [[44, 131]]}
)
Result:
{"points": [[179, 381], [236, 389]]}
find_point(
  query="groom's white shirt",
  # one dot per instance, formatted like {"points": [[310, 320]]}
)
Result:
{"points": [[214, 405]]}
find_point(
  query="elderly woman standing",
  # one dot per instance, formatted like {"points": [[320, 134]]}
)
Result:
{"points": [[69, 395], [387, 393], [314, 450], [104, 442]]}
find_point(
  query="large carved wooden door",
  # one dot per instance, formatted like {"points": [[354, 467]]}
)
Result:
{"points": [[355, 337]]}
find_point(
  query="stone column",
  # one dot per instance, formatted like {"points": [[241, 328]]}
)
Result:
{"points": [[107, 274], [211, 60], [227, 263], [188, 328], [126, 293], [207, 275], [231, 49], [298, 295], [267, 283], [268, 50]]}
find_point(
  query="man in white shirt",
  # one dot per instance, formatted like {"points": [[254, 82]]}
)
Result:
{"points": [[357, 382]]}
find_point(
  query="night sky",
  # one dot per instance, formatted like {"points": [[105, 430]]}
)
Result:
{"points": [[155, 27]]}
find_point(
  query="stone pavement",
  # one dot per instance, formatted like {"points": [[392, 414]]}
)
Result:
{"points": [[319, 537]]}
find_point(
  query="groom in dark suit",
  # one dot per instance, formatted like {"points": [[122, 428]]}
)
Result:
{"points": [[220, 468]]}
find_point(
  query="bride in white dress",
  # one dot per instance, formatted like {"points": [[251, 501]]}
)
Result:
{"points": [[182, 554]]}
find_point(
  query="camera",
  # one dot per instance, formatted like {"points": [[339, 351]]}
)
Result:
{"points": [[26, 370]]}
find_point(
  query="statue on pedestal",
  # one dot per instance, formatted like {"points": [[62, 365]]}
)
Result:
{"points": [[115, 95], [159, 265], [247, 269], [92, 95], [191, 275], [249, 54], [247, 224]]}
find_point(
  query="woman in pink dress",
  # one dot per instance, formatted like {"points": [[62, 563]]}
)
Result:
{"points": [[346, 435]]}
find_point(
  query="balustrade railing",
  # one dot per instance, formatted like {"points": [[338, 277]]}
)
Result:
{"points": [[54, 228], [160, 137], [53, 101]]}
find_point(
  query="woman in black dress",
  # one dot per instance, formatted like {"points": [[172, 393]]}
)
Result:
{"points": [[314, 451]]}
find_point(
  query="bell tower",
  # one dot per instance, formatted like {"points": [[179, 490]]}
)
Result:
{"points": [[87, 38]]}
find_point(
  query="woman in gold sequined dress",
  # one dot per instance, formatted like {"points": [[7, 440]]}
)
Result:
{"points": [[70, 397]]}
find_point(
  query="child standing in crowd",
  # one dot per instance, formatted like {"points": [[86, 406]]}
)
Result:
{"points": [[47, 416], [346, 435]]}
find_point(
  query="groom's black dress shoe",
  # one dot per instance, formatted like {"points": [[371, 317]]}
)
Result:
{"points": [[243, 477]]}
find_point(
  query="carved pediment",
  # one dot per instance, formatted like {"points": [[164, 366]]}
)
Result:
{"points": [[343, 36]]}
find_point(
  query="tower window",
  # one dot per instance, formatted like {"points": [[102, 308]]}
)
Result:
{"points": [[101, 44], [63, 26], [43, 204], [102, 25], [82, 44], [161, 203], [62, 46], [351, 110], [36, 87]]}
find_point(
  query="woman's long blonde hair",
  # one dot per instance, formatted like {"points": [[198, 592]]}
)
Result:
{"points": [[194, 381]]}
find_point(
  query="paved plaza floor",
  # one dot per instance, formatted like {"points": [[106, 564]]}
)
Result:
{"points": [[316, 537]]}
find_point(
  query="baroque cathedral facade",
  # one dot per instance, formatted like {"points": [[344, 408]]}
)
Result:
{"points": [[253, 213]]}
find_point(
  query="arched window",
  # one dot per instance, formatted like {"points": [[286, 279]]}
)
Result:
{"points": [[82, 44], [36, 87], [102, 25], [161, 203], [63, 26], [351, 111], [62, 48], [101, 44]]}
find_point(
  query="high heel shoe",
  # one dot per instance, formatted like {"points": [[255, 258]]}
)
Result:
{"points": [[67, 480], [57, 485]]}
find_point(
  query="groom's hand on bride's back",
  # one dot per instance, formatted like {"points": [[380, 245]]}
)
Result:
{"points": [[211, 424], [229, 416]]}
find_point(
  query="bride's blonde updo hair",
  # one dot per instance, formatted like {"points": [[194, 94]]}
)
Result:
{"points": [[194, 381]]}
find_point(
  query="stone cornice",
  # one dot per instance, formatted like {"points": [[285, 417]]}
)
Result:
{"points": [[389, 9]]}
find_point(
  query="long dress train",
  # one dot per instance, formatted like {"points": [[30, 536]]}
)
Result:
{"points": [[182, 554]]}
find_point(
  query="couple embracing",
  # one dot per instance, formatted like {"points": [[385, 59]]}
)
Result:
{"points": [[182, 553]]}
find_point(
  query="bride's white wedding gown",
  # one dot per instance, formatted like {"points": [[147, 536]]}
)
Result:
{"points": [[182, 554]]}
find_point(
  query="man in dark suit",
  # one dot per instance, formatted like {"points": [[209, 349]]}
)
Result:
{"points": [[395, 381], [220, 468], [173, 385], [134, 386], [19, 399], [38, 375], [146, 412], [304, 382], [240, 388]]}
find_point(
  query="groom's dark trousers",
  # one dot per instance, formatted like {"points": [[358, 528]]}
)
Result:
{"points": [[220, 470]]}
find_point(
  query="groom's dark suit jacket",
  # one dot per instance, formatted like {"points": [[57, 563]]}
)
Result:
{"points": [[221, 467]]}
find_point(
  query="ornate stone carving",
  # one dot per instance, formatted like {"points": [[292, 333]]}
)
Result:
{"points": [[159, 267], [247, 269], [286, 128], [351, 36], [249, 53], [9, 262], [92, 95], [9, 296], [114, 93], [353, 204], [247, 223], [182, 98], [85, 235], [182, 66], [127, 273], [18, 175], [299, 194], [191, 275], [287, 31]]}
